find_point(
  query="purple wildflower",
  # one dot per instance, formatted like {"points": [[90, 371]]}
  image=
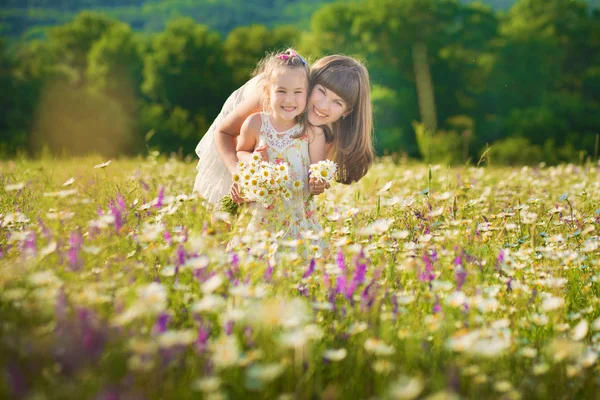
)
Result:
{"points": [[310, 270], [167, 237], [360, 273], [116, 212], [79, 341], [436, 306], [269, 273], [394, 305], [368, 294], [229, 325], [460, 273], [341, 262], [29, 247], [427, 275], [203, 335], [160, 198], [162, 322], [303, 290], [16, 380], [180, 255], [501, 256], [144, 185], [75, 242], [326, 281], [341, 284], [350, 288], [235, 266], [121, 202]]}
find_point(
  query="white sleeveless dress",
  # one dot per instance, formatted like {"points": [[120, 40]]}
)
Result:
{"points": [[213, 179], [292, 218]]}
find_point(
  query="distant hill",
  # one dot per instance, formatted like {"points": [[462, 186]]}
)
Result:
{"points": [[20, 16]]}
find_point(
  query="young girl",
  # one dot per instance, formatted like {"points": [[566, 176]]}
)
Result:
{"points": [[339, 104], [279, 134]]}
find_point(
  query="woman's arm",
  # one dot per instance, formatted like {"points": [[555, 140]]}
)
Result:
{"points": [[248, 138], [229, 128], [317, 150]]}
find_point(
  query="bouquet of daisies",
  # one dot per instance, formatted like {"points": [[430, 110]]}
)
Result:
{"points": [[323, 171], [262, 182]]}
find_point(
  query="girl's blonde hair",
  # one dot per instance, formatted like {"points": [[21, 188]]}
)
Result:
{"points": [[288, 58], [351, 137]]}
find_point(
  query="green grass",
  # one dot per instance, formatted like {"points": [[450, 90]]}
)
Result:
{"points": [[83, 305]]}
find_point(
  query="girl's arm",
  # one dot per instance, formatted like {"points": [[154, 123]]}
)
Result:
{"points": [[248, 138], [230, 127]]}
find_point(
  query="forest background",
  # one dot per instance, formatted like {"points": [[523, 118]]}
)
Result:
{"points": [[451, 79]]}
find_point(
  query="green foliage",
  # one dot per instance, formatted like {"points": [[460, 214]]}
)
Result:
{"points": [[247, 44], [442, 146], [515, 151], [186, 74], [115, 61], [530, 72], [71, 43], [389, 110]]}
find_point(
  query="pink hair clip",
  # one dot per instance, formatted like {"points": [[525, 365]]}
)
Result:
{"points": [[292, 53]]}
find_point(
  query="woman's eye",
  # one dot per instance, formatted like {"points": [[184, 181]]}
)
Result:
{"points": [[322, 90]]}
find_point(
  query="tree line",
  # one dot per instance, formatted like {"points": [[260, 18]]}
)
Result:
{"points": [[449, 79]]}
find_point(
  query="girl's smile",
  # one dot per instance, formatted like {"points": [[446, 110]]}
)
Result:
{"points": [[287, 93]]}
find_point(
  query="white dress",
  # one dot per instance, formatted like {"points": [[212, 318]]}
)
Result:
{"points": [[213, 179], [292, 218]]}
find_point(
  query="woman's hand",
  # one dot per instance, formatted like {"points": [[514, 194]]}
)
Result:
{"points": [[262, 149], [235, 194], [316, 186]]}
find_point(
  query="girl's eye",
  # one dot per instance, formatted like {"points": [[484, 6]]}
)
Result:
{"points": [[322, 90]]}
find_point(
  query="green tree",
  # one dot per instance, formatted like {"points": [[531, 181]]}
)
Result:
{"points": [[542, 71], [187, 80], [13, 135], [115, 61], [71, 43]]}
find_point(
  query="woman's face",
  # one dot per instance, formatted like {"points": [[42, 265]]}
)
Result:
{"points": [[324, 106]]}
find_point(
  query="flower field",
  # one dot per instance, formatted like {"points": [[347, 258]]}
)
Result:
{"points": [[441, 283]]}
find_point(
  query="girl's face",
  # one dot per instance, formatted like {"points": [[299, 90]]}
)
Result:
{"points": [[324, 106], [287, 92]]}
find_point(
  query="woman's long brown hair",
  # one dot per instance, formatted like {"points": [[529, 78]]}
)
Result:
{"points": [[351, 137]]}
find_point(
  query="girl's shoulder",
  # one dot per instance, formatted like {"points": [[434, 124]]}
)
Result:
{"points": [[253, 122]]}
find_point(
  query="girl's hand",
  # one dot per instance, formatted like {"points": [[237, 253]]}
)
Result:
{"points": [[316, 186], [262, 149]]}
